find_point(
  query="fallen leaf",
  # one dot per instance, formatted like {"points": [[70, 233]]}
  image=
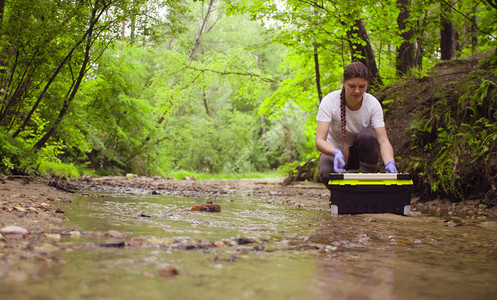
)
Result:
{"points": [[168, 272], [207, 208]]}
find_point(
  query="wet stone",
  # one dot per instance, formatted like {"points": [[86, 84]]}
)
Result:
{"points": [[112, 244], [244, 241]]}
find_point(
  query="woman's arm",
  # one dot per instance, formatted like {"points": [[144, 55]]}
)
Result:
{"points": [[386, 149], [321, 134]]}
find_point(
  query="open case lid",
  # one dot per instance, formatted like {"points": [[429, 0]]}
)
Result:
{"points": [[370, 179]]}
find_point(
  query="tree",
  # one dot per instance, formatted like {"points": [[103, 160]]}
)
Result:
{"points": [[406, 51], [447, 33]]}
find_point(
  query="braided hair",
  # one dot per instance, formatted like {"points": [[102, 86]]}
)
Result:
{"points": [[353, 70]]}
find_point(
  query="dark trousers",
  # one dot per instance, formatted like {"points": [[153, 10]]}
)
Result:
{"points": [[363, 156]]}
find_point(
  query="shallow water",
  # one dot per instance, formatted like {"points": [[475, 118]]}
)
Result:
{"points": [[257, 250]]}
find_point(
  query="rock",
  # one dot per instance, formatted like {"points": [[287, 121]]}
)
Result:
{"points": [[75, 234], [207, 208], [12, 229], [18, 208], [168, 272], [244, 241], [52, 236], [135, 243], [453, 222], [46, 248], [114, 234], [219, 244]]}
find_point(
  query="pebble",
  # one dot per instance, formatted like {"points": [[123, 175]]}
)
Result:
{"points": [[12, 229]]}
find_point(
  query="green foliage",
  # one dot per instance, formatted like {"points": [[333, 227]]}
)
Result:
{"points": [[58, 169]]}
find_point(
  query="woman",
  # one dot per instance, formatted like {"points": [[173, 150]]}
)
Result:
{"points": [[343, 133]]}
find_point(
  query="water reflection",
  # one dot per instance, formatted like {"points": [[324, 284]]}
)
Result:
{"points": [[408, 258]]}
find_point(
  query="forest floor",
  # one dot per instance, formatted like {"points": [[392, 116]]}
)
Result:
{"points": [[32, 224]]}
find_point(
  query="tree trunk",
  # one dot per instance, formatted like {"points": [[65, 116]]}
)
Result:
{"points": [[206, 105], [447, 35], [405, 53], [202, 29], [132, 27], [288, 143], [363, 53], [2, 9], [317, 72], [473, 31]]}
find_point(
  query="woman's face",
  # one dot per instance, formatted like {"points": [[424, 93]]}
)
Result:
{"points": [[355, 88]]}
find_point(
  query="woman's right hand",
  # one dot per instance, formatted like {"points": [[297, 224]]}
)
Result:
{"points": [[339, 162]]}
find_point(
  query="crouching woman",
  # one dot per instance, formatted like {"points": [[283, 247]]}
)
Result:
{"points": [[351, 132]]}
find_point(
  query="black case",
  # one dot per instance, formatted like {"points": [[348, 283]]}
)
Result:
{"points": [[358, 193]]}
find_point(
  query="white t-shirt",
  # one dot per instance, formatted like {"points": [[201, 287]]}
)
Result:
{"points": [[370, 114]]}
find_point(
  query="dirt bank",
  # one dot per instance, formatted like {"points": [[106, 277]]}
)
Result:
{"points": [[31, 225], [32, 206]]}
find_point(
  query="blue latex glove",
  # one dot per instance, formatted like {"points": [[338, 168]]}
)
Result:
{"points": [[339, 162], [390, 167]]}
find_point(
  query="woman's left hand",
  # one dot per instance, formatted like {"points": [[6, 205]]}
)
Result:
{"points": [[390, 167]]}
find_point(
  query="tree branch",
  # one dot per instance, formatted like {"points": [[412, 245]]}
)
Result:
{"points": [[265, 79], [490, 2]]}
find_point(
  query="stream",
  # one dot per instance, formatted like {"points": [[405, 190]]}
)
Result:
{"points": [[253, 249]]}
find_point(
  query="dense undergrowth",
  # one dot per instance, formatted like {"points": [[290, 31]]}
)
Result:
{"points": [[449, 142]]}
